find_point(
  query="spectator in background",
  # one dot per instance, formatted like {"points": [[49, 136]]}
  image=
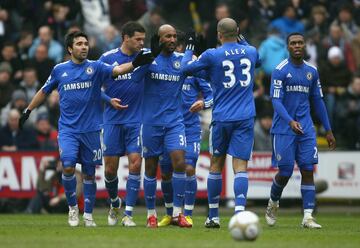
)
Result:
{"points": [[45, 37], [151, 21], [335, 78], [42, 63], [318, 22], [46, 136], [271, 52], [13, 139], [110, 39], [58, 20], [24, 44], [336, 38], [8, 54], [221, 11], [52, 108], [6, 87], [355, 46], [288, 23], [346, 22], [18, 101], [348, 115], [262, 136], [96, 16], [50, 194], [30, 83]]}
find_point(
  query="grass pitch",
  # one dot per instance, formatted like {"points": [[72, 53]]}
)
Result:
{"points": [[339, 230]]}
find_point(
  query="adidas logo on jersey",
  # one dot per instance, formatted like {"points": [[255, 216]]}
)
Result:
{"points": [[64, 74], [289, 75], [154, 63], [115, 63]]}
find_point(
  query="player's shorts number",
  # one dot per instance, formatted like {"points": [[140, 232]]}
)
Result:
{"points": [[228, 66], [182, 140], [315, 152], [196, 147], [97, 155]]}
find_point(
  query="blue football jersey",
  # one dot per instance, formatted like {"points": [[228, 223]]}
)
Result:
{"points": [[162, 91], [295, 85], [79, 87], [230, 69], [190, 93], [128, 88]]}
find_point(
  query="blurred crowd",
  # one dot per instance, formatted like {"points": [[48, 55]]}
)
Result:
{"points": [[32, 42]]}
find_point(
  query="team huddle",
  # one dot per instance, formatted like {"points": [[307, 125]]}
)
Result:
{"points": [[152, 99]]}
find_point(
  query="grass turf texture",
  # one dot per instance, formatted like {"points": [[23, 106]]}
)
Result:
{"points": [[339, 230]]}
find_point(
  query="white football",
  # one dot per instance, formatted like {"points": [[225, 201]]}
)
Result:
{"points": [[244, 226]]}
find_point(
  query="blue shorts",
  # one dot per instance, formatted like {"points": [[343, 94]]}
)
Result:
{"points": [[193, 138], [157, 139], [290, 148], [121, 139], [233, 138], [82, 148]]}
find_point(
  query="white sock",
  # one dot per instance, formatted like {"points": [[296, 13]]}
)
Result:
{"points": [[151, 212], [88, 216], [273, 202], [73, 207], [176, 211], [308, 213]]}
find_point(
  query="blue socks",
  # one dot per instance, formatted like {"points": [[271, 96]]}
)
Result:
{"points": [[178, 183], [89, 195], [241, 183], [150, 191], [276, 191], [308, 196], [132, 189], [111, 185], [167, 190], [214, 185], [69, 183], [190, 194]]}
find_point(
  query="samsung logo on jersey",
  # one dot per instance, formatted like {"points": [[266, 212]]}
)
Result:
{"points": [[186, 87], [124, 77], [165, 77], [234, 51], [297, 88], [77, 86]]}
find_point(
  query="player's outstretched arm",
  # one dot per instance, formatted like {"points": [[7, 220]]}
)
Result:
{"points": [[142, 58], [321, 113], [39, 97]]}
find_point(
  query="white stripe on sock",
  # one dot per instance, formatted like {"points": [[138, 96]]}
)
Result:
{"points": [[214, 205], [129, 208], [189, 207], [239, 208], [169, 205]]}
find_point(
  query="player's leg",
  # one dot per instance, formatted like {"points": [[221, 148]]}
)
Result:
{"points": [[283, 157], [175, 142], [90, 157], [218, 141], [240, 148], [152, 147], [69, 149], [113, 149], [133, 149], [306, 157], [193, 137], [166, 188]]}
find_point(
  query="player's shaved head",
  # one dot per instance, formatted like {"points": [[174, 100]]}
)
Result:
{"points": [[163, 29], [168, 38], [228, 28]]}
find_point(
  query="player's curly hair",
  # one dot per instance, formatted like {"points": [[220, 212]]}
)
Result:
{"points": [[69, 39]]}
